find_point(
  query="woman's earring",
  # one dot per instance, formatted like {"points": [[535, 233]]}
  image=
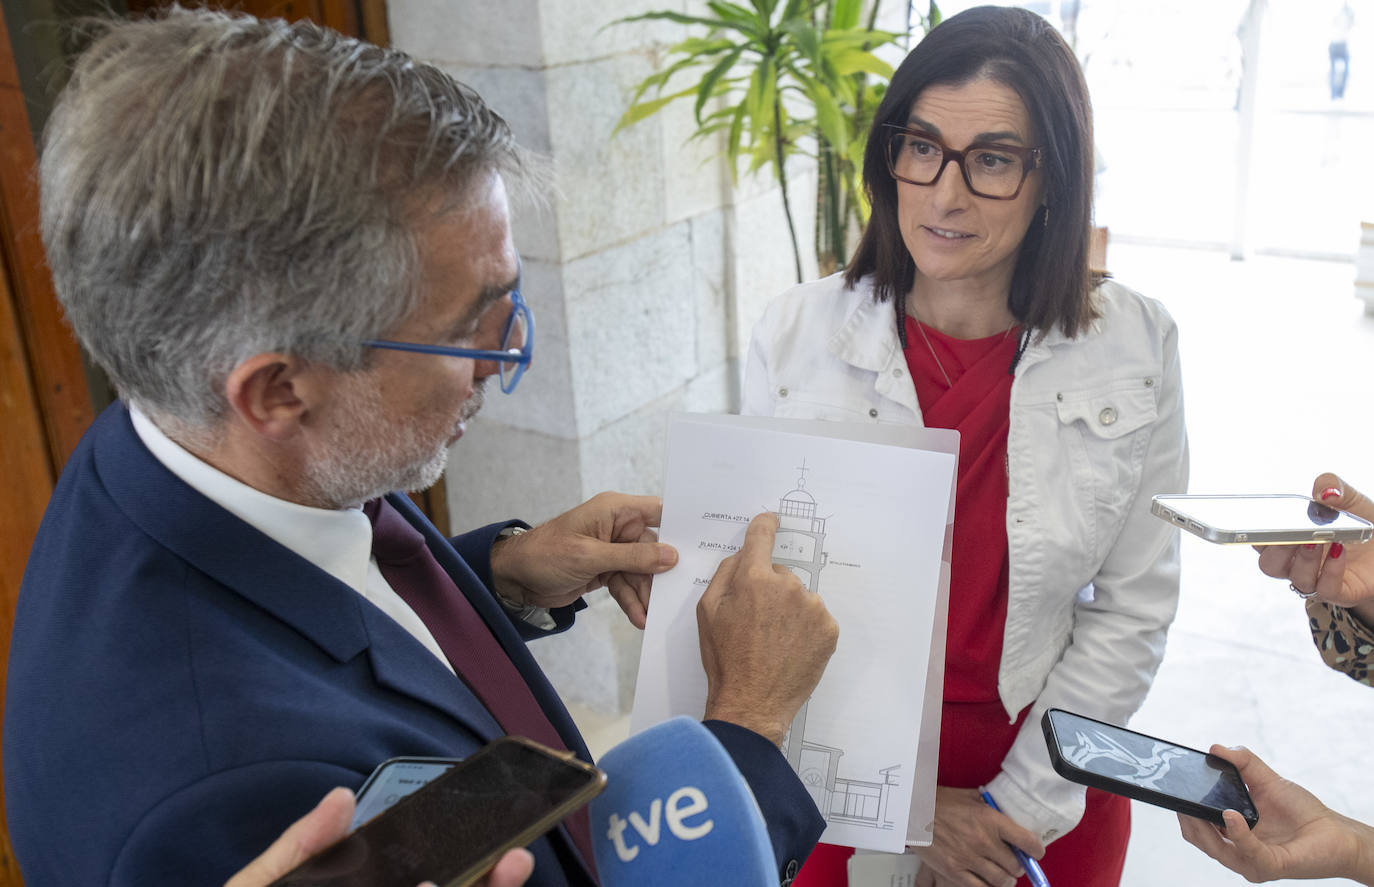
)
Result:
{"points": [[1046, 222]]}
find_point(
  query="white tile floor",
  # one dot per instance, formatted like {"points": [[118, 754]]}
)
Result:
{"points": [[1278, 358]]}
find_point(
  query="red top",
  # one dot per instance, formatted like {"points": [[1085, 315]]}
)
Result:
{"points": [[978, 406]]}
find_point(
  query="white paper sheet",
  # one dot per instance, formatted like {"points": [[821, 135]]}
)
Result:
{"points": [[868, 869], [865, 512]]}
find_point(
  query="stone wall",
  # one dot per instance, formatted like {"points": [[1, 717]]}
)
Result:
{"points": [[646, 270]]}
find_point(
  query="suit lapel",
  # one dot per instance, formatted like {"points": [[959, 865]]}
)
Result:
{"points": [[326, 611], [403, 665], [486, 605], [484, 602]]}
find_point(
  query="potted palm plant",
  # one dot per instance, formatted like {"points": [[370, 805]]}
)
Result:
{"points": [[779, 79]]}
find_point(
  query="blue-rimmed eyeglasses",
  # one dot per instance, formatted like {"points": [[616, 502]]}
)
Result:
{"points": [[517, 344]]}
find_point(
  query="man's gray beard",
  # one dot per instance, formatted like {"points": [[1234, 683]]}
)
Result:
{"points": [[370, 461]]}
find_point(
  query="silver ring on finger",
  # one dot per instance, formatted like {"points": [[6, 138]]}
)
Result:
{"points": [[1305, 595]]}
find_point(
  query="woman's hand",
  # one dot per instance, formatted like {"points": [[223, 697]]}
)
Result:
{"points": [[971, 843], [1297, 835], [1341, 575]]}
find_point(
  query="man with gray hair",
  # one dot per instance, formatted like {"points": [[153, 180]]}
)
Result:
{"points": [[291, 252]]}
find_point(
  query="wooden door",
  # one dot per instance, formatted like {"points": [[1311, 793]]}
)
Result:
{"points": [[27, 475], [44, 401]]}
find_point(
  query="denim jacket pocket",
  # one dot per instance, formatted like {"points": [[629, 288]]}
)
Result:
{"points": [[1110, 413], [1110, 428], [819, 402]]}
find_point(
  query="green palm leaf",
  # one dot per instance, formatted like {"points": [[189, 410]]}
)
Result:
{"points": [[711, 84], [638, 112], [785, 79]]}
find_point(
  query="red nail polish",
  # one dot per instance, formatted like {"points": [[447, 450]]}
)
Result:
{"points": [[1330, 493], [1337, 549]]}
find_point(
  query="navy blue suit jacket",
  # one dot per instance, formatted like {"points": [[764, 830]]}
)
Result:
{"points": [[181, 687]]}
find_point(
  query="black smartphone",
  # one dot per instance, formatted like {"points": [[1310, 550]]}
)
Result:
{"points": [[455, 828], [1124, 762]]}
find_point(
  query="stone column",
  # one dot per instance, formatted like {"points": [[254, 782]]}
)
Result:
{"points": [[646, 270]]}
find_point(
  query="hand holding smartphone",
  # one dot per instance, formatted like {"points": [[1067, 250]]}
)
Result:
{"points": [[1275, 519], [455, 828], [1124, 762]]}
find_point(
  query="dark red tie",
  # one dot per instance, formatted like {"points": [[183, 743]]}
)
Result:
{"points": [[476, 656]]}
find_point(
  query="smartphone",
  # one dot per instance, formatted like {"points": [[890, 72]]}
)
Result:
{"points": [[455, 828], [1124, 762], [394, 779], [1274, 519]]}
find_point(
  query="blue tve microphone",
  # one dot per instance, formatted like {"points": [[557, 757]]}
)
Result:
{"points": [[677, 811]]}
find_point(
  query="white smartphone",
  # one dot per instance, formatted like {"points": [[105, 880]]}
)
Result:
{"points": [[1270, 519]]}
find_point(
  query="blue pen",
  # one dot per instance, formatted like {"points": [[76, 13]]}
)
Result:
{"points": [[1032, 867]]}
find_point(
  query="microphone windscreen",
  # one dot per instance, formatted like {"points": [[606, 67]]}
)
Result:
{"points": [[677, 811]]}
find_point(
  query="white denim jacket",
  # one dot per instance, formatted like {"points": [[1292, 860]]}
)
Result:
{"points": [[1096, 430]]}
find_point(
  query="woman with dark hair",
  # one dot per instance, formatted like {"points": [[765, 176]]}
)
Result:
{"points": [[970, 305]]}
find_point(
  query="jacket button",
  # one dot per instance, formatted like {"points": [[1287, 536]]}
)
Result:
{"points": [[1149, 383], [873, 412], [782, 392], [1059, 396], [1107, 416], [897, 373]]}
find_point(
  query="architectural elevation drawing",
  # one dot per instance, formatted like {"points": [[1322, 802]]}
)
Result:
{"points": [[800, 547], [861, 524]]}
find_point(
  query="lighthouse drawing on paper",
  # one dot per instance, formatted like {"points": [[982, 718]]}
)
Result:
{"points": [[800, 547]]}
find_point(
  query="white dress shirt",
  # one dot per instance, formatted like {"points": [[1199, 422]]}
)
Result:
{"points": [[337, 541]]}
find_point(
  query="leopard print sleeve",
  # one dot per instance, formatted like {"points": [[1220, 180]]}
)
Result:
{"points": [[1345, 643]]}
